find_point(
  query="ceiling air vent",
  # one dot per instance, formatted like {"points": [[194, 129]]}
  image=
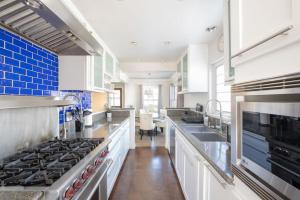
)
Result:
{"points": [[35, 21], [283, 82]]}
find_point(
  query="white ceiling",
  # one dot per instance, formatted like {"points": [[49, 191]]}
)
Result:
{"points": [[150, 23], [150, 75]]}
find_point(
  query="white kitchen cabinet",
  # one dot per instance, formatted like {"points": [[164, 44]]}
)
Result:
{"points": [[179, 161], [194, 69], [109, 64], [252, 22], [118, 149], [216, 187], [189, 169], [97, 71], [83, 73], [199, 180], [75, 73], [117, 71], [191, 175]]}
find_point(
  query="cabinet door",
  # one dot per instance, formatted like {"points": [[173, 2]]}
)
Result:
{"points": [[191, 176], [185, 72], [109, 64], [255, 20], [179, 161], [216, 190], [202, 183], [98, 71]]}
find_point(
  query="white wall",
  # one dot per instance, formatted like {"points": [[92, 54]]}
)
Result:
{"points": [[215, 58], [190, 100]]}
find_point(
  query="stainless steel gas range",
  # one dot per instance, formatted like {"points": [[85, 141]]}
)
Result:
{"points": [[59, 169]]}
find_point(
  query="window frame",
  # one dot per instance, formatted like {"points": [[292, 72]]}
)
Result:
{"points": [[121, 97], [216, 83], [152, 99]]}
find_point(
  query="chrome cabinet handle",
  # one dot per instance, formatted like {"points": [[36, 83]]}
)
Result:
{"points": [[280, 32]]}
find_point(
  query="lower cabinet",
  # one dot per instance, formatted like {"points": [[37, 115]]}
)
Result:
{"points": [[118, 150], [179, 160], [199, 180]]}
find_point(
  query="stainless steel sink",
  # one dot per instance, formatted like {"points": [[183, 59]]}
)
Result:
{"points": [[209, 137]]}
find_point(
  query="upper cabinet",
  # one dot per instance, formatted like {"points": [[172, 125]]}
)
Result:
{"points": [[109, 64], [258, 27], [75, 73], [193, 75], [97, 71], [83, 73]]}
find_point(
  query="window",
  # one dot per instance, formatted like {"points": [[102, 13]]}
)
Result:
{"points": [[223, 91], [115, 98], [150, 98]]}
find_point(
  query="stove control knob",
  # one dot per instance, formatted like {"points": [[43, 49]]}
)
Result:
{"points": [[90, 169], [103, 154], [85, 175], [77, 184], [70, 192], [98, 162]]}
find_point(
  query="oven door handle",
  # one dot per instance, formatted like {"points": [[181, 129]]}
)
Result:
{"points": [[282, 167]]}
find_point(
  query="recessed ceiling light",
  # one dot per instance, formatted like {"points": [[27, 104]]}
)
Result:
{"points": [[167, 43], [211, 29], [133, 43]]}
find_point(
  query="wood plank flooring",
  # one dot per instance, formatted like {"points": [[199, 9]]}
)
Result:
{"points": [[147, 174]]}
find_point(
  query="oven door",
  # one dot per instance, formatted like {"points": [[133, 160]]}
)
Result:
{"points": [[270, 137]]}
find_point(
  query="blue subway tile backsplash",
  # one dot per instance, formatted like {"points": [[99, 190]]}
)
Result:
{"points": [[23, 61], [27, 69]]}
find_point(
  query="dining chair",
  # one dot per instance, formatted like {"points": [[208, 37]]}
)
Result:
{"points": [[161, 122], [146, 124]]}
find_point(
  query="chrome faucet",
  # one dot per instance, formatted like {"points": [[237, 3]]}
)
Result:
{"points": [[78, 99], [206, 107]]}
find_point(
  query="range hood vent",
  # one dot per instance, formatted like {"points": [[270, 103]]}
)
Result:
{"points": [[282, 82], [35, 20]]}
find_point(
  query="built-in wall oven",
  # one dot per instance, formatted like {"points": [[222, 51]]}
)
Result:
{"points": [[271, 142], [266, 136]]}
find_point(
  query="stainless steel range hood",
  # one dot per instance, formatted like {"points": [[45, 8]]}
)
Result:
{"points": [[50, 24]]}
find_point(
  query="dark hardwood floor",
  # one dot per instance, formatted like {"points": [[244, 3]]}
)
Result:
{"points": [[147, 174]]}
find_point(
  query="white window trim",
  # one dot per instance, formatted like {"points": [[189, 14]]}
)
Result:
{"points": [[213, 87]]}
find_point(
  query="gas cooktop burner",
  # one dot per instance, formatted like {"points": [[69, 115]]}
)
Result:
{"points": [[44, 164]]}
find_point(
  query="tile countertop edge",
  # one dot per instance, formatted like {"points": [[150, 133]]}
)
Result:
{"points": [[228, 178]]}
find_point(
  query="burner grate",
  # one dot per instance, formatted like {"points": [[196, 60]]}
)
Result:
{"points": [[44, 164]]}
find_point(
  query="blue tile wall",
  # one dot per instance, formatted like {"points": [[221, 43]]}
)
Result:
{"points": [[28, 69], [25, 68]]}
